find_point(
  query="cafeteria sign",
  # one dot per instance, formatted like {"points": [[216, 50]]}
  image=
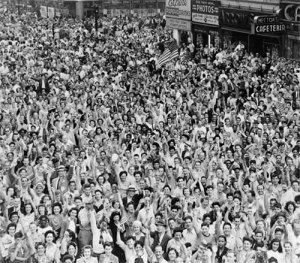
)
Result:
{"points": [[269, 28], [180, 9], [205, 12], [267, 24]]}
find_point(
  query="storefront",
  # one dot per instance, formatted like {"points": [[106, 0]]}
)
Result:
{"points": [[205, 24], [178, 19], [81, 8], [238, 26], [291, 16]]}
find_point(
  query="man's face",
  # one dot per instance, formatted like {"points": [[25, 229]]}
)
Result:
{"points": [[237, 221], [158, 252], [14, 218], [258, 237], [44, 222], [87, 190], [278, 235], [17, 202], [72, 186], [108, 249], [260, 190]]}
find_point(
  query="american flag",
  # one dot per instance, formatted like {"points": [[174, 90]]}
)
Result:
{"points": [[170, 53], [123, 221], [280, 106]]}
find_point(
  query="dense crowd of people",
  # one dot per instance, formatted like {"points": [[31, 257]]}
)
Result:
{"points": [[107, 157]]}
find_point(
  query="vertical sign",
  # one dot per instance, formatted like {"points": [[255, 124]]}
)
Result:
{"points": [[51, 12], [44, 11]]}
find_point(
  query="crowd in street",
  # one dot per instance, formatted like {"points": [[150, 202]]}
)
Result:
{"points": [[106, 156]]}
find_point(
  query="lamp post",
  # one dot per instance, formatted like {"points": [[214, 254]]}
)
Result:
{"points": [[96, 13]]}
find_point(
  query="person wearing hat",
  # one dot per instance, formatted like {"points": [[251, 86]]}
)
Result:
{"points": [[61, 182], [38, 193], [160, 236], [131, 197]]}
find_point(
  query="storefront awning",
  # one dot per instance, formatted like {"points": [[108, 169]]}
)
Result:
{"points": [[239, 30], [269, 35]]}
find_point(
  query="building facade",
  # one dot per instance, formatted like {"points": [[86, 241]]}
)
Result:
{"points": [[263, 26], [85, 8], [178, 18], [290, 11]]}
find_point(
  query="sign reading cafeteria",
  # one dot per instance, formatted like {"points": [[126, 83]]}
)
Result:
{"points": [[178, 9], [275, 28], [205, 12]]}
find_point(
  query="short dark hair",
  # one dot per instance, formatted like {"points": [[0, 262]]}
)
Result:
{"points": [[107, 244]]}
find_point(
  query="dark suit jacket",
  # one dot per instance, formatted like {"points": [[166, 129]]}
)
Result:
{"points": [[296, 95], [135, 199], [9, 211], [40, 87], [219, 255], [164, 242]]}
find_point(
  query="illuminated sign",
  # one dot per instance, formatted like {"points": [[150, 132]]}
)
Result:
{"points": [[292, 12], [265, 19], [269, 28]]}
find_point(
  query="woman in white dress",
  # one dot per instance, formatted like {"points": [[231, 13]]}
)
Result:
{"points": [[289, 255], [52, 251], [275, 250]]}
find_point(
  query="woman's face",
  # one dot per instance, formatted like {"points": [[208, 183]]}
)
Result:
{"points": [[106, 204], [123, 177], [136, 229], [32, 228], [56, 210], [247, 245], [67, 236], [275, 246], [172, 255], [103, 225], [72, 250], [101, 180], [41, 250], [10, 192], [221, 242], [87, 253], [290, 208], [49, 238], [138, 248], [116, 205], [42, 210], [177, 236], [205, 230], [46, 199], [288, 248], [28, 209]]}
